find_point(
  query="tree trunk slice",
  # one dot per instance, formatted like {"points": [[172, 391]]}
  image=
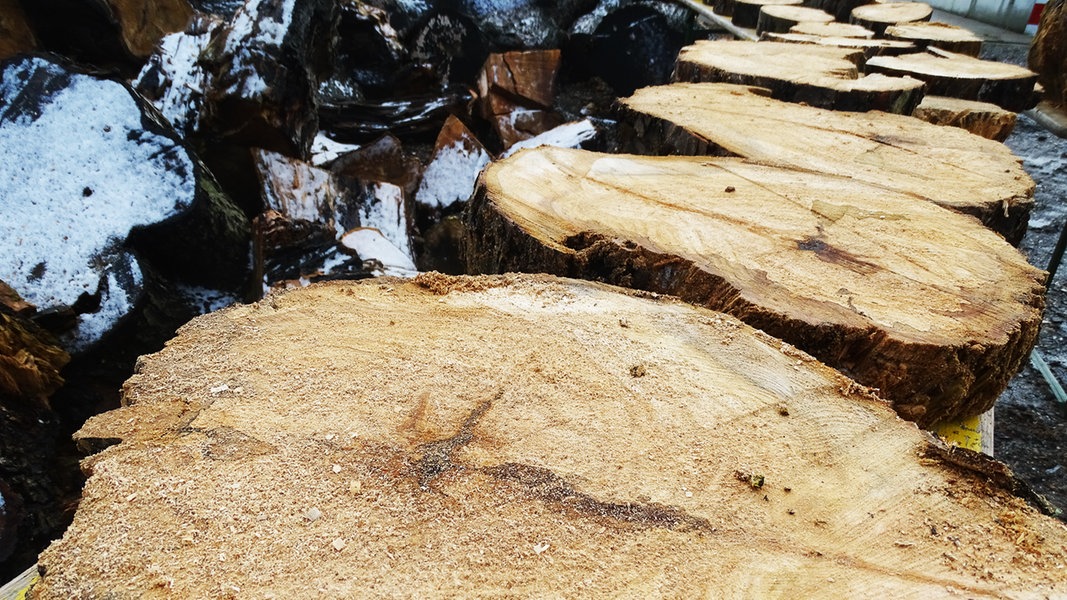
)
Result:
{"points": [[960, 76], [877, 17], [551, 436], [950, 167], [840, 9], [778, 19], [816, 75], [746, 12], [980, 118], [939, 35], [761, 243], [869, 47], [832, 30]]}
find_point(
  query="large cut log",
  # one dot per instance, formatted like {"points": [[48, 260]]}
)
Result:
{"points": [[877, 17], [821, 76], [551, 437], [939, 35], [960, 76], [746, 12], [926, 305], [949, 166], [1048, 52], [840, 9], [832, 30], [869, 47], [778, 19], [980, 118]]}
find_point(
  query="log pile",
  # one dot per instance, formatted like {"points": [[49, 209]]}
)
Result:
{"points": [[823, 76], [981, 177], [552, 436]]}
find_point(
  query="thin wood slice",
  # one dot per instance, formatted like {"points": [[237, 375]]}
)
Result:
{"points": [[823, 76], [778, 19], [551, 437], [951, 167], [960, 76], [877, 17], [869, 47], [980, 118], [939, 35], [836, 30], [926, 305], [746, 12]]}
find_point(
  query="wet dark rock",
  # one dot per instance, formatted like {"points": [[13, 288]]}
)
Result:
{"points": [[414, 118], [369, 54], [634, 47], [222, 8], [453, 45], [16, 36], [406, 15]]}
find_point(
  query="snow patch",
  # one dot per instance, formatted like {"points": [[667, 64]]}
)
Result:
{"points": [[252, 33], [184, 81], [568, 135], [451, 175], [310, 188], [74, 180], [370, 244], [206, 300], [324, 149], [386, 214]]}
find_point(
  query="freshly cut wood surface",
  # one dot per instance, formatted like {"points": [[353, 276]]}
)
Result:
{"points": [[877, 17], [949, 166], [869, 47], [940, 35], [965, 77], [823, 76], [832, 30], [746, 12], [550, 438], [924, 304], [778, 19], [980, 118]]}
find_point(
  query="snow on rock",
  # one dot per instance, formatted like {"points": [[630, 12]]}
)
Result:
{"points": [[451, 175], [81, 168], [370, 244], [296, 189], [324, 150], [385, 212], [258, 28], [568, 135]]}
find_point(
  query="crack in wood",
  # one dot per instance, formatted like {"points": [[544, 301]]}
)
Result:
{"points": [[437, 456]]}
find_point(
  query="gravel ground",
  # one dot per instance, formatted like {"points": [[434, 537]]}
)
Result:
{"points": [[1031, 426]]}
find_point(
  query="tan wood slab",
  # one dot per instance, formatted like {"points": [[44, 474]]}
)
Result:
{"points": [[878, 16], [550, 438], [926, 305], [980, 118], [745, 13], [832, 30], [778, 19], [949, 166], [869, 47], [939, 35], [823, 76]]}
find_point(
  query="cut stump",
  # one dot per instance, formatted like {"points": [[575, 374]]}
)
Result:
{"points": [[877, 17], [823, 76], [961, 76], [869, 47], [926, 305], [746, 13], [832, 30], [949, 166], [551, 437], [939, 35], [980, 118], [778, 19]]}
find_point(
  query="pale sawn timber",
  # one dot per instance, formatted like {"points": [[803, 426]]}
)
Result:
{"points": [[980, 118], [551, 437], [832, 30], [778, 19], [817, 75], [939, 35], [949, 166], [877, 17], [926, 305], [965, 77], [869, 47]]}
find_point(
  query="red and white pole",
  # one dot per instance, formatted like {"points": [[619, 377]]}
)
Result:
{"points": [[1035, 17]]}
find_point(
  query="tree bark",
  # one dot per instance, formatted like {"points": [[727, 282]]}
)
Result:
{"points": [[746, 12], [951, 167], [822, 76], [549, 435], [964, 77]]}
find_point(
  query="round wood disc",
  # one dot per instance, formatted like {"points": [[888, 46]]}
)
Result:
{"points": [[940, 35], [746, 12], [832, 30], [877, 17], [779, 18]]}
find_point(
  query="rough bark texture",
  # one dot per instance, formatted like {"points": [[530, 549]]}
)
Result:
{"points": [[778, 19], [823, 76], [951, 167], [869, 47], [746, 12], [552, 437], [980, 118], [878, 16], [15, 33], [939, 35], [1048, 52], [964, 77], [761, 242]]}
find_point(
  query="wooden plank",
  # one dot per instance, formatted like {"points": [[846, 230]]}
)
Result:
{"points": [[16, 588]]}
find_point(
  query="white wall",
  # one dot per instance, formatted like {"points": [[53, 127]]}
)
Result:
{"points": [[1007, 14]]}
